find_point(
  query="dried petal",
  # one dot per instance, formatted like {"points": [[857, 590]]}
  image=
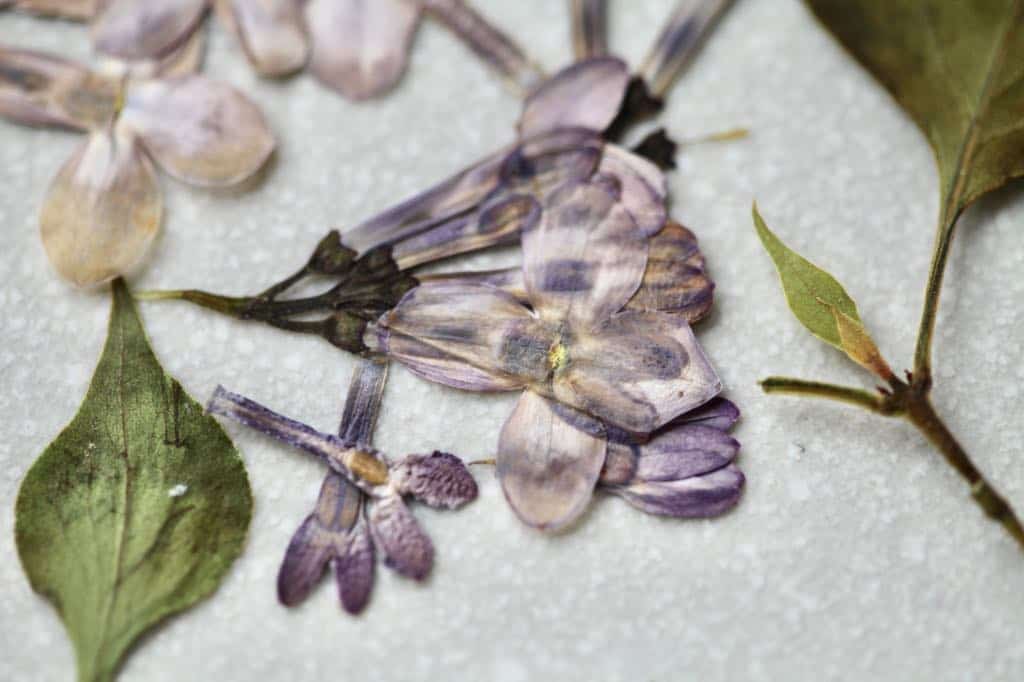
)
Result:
{"points": [[698, 496], [585, 259], [719, 413], [547, 464], [542, 164], [586, 94], [200, 131], [405, 546], [37, 89], [509, 280], [684, 451], [642, 187], [439, 480], [680, 37], [589, 28], [144, 29], [461, 334], [360, 47], [76, 10], [102, 210], [304, 561], [637, 371], [353, 569], [271, 32], [675, 280]]}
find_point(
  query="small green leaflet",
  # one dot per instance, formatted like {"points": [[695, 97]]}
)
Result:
{"points": [[137, 509], [957, 67], [820, 302]]}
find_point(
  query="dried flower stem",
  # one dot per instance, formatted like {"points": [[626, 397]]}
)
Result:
{"points": [[911, 400]]}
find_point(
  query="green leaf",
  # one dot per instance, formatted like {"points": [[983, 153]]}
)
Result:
{"points": [[137, 509], [957, 67]]}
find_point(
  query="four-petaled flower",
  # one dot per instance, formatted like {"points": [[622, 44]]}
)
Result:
{"points": [[104, 207]]}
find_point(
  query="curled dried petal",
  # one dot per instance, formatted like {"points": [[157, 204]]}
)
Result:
{"points": [[719, 413], [102, 210], [144, 29], [695, 497], [548, 462], [439, 480], [200, 131], [405, 546], [586, 94], [353, 569], [360, 48], [675, 280]]}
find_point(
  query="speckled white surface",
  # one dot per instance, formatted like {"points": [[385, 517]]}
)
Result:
{"points": [[855, 554]]}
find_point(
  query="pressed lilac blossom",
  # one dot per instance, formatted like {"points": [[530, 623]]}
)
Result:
{"points": [[104, 207], [583, 359], [333, 531]]}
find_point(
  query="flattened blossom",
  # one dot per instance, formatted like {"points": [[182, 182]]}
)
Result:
{"points": [[104, 207]]}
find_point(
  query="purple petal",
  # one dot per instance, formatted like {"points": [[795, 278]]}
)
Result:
{"points": [[37, 89], [675, 280], [496, 224], [76, 10], [684, 451], [589, 28], [200, 131], [102, 210], [509, 280], [318, 539], [698, 496], [587, 94], [461, 334], [439, 480], [353, 569], [542, 164], [585, 259], [360, 47], [548, 466], [405, 546], [144, 29], [683, 33], [490, 44], [272, 33], [362, 404], [638, 371], [642, 187], [719, 413]]}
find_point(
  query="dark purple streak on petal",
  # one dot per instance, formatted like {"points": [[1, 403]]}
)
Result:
{"points": [[589, 28], [675, 280], [681, 36], [587, 95], [642, 187], [696, 497], [145, 29]]}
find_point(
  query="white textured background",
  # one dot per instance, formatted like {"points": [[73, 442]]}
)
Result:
{"points": [[855, 553]]}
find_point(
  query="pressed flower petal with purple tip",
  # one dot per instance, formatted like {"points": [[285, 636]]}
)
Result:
{"points": [[698, 496], [200, 131], [398, 535], [682, 34], [353, 569], [719, 413], [271, 32], [587, 94], [637, 371], [675, 280], [360, 47], [438, 480], [102, 209], [546, 464], [145, 29], [589, 28], [683, 451], [42, 90], [585, 259]]}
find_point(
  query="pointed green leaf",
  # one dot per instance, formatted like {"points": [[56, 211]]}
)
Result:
{"points": [[957, 67], [137, 509], [813, 294]]}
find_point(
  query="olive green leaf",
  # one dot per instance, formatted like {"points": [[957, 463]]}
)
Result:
{"points": [[957, 67], [820, 302], [137, 509]]}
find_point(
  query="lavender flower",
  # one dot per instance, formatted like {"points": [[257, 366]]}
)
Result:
{"points": [[583, 360], [104, 206], [336, 531]]}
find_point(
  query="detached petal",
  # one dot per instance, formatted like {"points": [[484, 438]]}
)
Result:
{"points": [[638, 371], [41, 90], [698, 496], [587, 94], [271, 32], [145, 29], [353, 569], [200, 131], [405, 546], [549, 459], [642, 186], [675, 280], [360, 47], [585, 259], [462, 334], [438, 480], [102, 210]]}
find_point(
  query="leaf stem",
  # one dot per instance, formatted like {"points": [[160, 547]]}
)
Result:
{"points": [[818, 389], [930, 308]]}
